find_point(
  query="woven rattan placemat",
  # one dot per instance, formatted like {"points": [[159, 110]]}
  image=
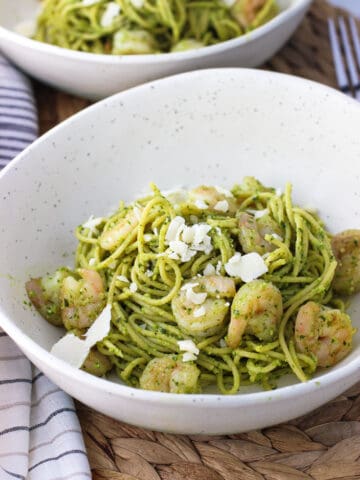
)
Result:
{"points": [[324, 445]]}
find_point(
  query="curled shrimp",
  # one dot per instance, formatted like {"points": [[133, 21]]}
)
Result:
{"points": [[44, 294], [253, 231], [81, 300], [167, 375], [201, 306], [324, 332], [346, 248], [246, 11], [213, 199], [257, 310], [96, 363], [111, 238]]}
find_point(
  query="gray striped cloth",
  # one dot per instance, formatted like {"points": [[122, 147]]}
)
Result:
{"points": [[40, 435]]}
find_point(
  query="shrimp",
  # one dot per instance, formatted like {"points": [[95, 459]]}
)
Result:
{"points": [[324, 332], [246, 11], [346, 248], [252, 233], [201, 305], [111, 238], [213, 199], [81, 300], [96, 363], [168, 375], [257, 310], [44, 295]]}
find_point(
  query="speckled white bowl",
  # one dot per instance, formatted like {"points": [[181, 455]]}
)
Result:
{"points": [[97, 76], [215, 127]]}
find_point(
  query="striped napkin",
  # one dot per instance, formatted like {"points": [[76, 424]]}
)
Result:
{"points": [[40, 435]]}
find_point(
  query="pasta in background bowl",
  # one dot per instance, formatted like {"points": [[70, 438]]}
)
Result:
{"points": [[202, 128], [144, 31]]}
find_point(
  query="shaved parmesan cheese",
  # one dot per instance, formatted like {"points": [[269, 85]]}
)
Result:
{"points": [[209, 270], [199, 312], [200, 204], [221, 190], [92, 223], [133, 287], [100, 328], [222, 206], [74, 350], [258, 213], [184, 241], [122, 278], [189, 357], [188, 346], [188, 234], [247, 267], [71, 349], [111, 12]]}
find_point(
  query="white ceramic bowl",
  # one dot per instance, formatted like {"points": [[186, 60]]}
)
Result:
{"points": [[214, 127], [97, 76]]}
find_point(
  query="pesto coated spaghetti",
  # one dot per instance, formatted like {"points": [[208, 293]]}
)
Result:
{"points": [[207, 287], [147, 26]]}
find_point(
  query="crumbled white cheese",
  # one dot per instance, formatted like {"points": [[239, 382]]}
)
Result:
{"points": [[222, 206], [122, 278], [133, 287], [149, 273], [137, 3], [196, 298], [74, 350], [92, 223], [222, 190], [199, 312], [189, 285], [87, 3], [189, 357], [188, 346], [184, 241], [175, 225], [27, 28], [247, 267], [200, 204], [92, 262], [258, 213], [111, 12], [188, 234], [209, 270]]}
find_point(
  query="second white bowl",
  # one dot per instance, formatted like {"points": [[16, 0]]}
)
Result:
{"points": [[97, 76]]}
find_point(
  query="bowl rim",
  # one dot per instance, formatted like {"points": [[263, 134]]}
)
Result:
{"points": [[209, 50], [44, 357]]}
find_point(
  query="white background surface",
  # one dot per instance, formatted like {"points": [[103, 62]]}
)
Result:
{"points": [[352, 5]]}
